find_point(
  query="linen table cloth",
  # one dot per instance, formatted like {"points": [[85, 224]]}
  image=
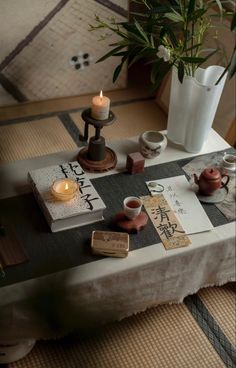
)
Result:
{"points": [[111, 289]]}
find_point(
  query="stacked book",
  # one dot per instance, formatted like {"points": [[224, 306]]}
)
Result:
{"points": [[85, 208]]}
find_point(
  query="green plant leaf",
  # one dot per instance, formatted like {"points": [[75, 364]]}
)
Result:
{"points": [[181, 71], [218, 2], [160, 9], [141, 30], [152, 41], [138, 53], [134, 59], [174, 17], [117, 72], [122, 53], [197, 14], [191, 6], [110, 53], [173, 39], [211, 53], [164, 69], [163, 32], [193, 59], [134, 38], [194, 47], [232, 66], [139, 14]]}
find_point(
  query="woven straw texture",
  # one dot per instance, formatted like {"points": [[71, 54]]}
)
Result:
{"points": [[162, 337], [221, 303], [32, 139], [17, 23], [53, 63], [48, 135]]}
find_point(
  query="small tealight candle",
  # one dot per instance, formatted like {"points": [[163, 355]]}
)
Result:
{"points": [[64, 189], [100, 107]]}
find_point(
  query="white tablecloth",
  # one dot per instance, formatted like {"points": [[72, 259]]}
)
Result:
{"points": [[111, 289]]}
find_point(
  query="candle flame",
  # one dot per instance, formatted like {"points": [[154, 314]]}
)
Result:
{"points": [[101, 95], [66, 186]]}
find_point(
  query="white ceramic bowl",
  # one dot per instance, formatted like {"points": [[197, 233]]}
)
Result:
{"points": [[152, 143]]}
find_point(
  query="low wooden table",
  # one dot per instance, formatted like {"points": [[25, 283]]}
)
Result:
{"points": [[113, 288]]}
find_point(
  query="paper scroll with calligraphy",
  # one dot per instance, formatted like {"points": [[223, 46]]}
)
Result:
{"points": [[167, 225], [183, 201]]}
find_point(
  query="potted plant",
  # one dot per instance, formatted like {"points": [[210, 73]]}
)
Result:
{"points": [[170, 35]]}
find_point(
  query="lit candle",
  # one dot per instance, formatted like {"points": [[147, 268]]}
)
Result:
{"points": [[100, 107], [64, 189]]}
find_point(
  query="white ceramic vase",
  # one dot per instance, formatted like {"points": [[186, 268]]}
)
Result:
{"points": [[193, 105]]}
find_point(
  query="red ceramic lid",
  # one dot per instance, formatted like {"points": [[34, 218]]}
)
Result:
{"points": [[211, 173]]}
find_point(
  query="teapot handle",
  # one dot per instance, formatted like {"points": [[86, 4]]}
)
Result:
{"points": [[227, 180]]}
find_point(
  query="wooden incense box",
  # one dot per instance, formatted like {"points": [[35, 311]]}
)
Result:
{"points": [[109, 243]]}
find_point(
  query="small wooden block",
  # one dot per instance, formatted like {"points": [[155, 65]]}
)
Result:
{"points": [[131, 226], [135, 163]]}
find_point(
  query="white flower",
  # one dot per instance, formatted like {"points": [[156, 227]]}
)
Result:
{"points": [[163, 53]]}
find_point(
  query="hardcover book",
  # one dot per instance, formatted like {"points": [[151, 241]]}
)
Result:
{"points": [[85, 208]]}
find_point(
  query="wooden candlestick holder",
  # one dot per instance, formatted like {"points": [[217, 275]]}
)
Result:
{"points": [[96, 157]]}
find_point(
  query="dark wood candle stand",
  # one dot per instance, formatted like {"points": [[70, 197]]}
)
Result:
{"points": [[96, 157]]}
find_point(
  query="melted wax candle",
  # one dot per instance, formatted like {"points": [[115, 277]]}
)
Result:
{"points": [[64, 189]]}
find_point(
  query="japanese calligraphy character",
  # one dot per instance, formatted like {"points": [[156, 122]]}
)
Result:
{"points": [[160, 211], [88, 200], [169, 229]]}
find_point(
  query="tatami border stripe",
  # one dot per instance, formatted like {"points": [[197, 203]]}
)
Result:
{"points": [[72, 128], [214, 335], [12, 89], [69, 111], [22, 44], [116, 8], [215, 327]]}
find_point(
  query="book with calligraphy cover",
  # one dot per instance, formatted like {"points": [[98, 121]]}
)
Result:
{"points": [[85, 208]]}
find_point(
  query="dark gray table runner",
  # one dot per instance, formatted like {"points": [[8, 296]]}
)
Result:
{"points": [[51, 252]]}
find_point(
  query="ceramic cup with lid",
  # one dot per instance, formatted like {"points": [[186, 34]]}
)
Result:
{"points": [[229, 163], [152, 143]]}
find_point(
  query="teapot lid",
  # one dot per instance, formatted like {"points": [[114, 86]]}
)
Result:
{"points": [[211, 173]]}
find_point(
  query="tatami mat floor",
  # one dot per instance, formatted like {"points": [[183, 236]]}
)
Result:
{"points": [[162, 337], [51, 132], [33, 138], [221, 304]]}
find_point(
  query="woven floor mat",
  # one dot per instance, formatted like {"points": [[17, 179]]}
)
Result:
{"points": [[132, 119], [221, 303], [162, 337], [32, 139]]}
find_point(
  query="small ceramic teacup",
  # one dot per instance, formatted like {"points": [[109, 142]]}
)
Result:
{"points": [[229, 162], [132, 207], [152, 143]]}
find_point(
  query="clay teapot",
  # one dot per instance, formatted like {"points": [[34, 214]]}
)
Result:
{"points": [[210, 180]]}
